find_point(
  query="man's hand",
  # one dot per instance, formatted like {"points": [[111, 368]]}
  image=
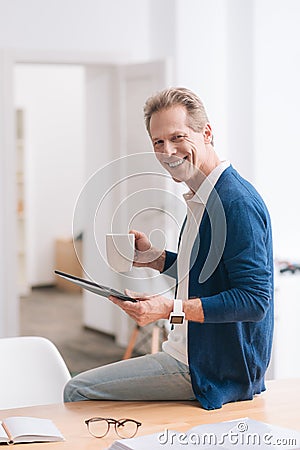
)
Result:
{"points": [[148, 308], [145, 254]]}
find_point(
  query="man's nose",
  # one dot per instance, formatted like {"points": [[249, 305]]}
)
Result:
{"points": [[169, 148]]}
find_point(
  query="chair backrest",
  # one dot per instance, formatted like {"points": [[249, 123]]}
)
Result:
{"points": [[32, 372]]}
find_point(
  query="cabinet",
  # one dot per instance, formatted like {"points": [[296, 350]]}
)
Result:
{"points": [[23, 287]]}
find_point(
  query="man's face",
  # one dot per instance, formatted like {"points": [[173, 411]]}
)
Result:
{"points": [[178, 148]]}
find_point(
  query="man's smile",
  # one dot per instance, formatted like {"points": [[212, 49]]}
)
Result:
{"points": [[177, 163]]}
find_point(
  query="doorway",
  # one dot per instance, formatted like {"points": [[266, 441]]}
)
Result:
{"points": [[49, 101]]}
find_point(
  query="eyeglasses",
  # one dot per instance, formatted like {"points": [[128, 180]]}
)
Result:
{"points": [[125, 428]]}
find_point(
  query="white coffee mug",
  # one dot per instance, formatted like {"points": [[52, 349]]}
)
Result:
{"points": [[120, 251]]}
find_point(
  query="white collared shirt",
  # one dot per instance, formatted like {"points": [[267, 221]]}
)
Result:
{"points": [[176, 344]]}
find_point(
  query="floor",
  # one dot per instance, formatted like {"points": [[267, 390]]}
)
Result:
{"points": [[57, 315]]}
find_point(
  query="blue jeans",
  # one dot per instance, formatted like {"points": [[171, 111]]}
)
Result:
{"points": [[151, 377]]}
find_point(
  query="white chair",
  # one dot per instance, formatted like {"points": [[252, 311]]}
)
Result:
{"points": [[32, 372]]}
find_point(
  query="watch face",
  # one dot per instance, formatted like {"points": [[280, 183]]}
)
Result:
{"points": [[177, 320]]}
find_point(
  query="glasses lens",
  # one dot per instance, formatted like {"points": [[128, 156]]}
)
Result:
{"points": [[98, 427], [126, 428]]}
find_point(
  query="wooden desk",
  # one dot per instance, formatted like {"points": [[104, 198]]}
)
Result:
{"points": [[279, 405]]}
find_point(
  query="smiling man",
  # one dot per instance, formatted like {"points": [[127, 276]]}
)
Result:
{"points": [[222, 315]]}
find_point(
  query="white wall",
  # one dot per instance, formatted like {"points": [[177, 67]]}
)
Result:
{"points": [[52, 98], [201, 59], [277, 118], [104, 26]]}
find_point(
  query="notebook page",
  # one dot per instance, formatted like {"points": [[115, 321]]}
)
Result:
{"points": [[3, 435], [32, 426]]}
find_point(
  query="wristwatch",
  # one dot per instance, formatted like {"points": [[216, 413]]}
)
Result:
{"points": [[177, 316]]}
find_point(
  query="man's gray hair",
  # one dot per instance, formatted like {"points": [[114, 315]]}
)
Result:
{"points": [[177, 96]]}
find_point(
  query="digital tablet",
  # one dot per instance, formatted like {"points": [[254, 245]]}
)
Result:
{"points": [[94, 287]]}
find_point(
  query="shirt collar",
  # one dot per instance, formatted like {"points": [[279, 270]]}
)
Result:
{"points": [[204, 191]]}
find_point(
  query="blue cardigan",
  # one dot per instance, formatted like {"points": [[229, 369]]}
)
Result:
{"points": [[231, 270]]}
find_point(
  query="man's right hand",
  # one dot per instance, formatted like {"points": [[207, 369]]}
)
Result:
{"points": [[145, 254]]}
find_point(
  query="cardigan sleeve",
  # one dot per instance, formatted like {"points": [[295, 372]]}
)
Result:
{"points": [[246, 260], [170, 267]]}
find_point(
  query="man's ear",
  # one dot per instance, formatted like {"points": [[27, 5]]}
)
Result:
{"points": [[207, 133]]}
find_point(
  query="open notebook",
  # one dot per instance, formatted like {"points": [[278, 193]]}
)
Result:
{"points": [[17, 429]]}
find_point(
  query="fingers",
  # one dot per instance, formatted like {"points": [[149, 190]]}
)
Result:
{"points": [[124, 304], [137, 295], [138, 234], [132, 309], [148, 309], [142, 242]]}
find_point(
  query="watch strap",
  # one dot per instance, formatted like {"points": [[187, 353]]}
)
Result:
{"points": [[177, 306]]}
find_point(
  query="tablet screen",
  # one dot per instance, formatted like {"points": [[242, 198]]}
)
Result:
{"points": [[98, 289]]}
